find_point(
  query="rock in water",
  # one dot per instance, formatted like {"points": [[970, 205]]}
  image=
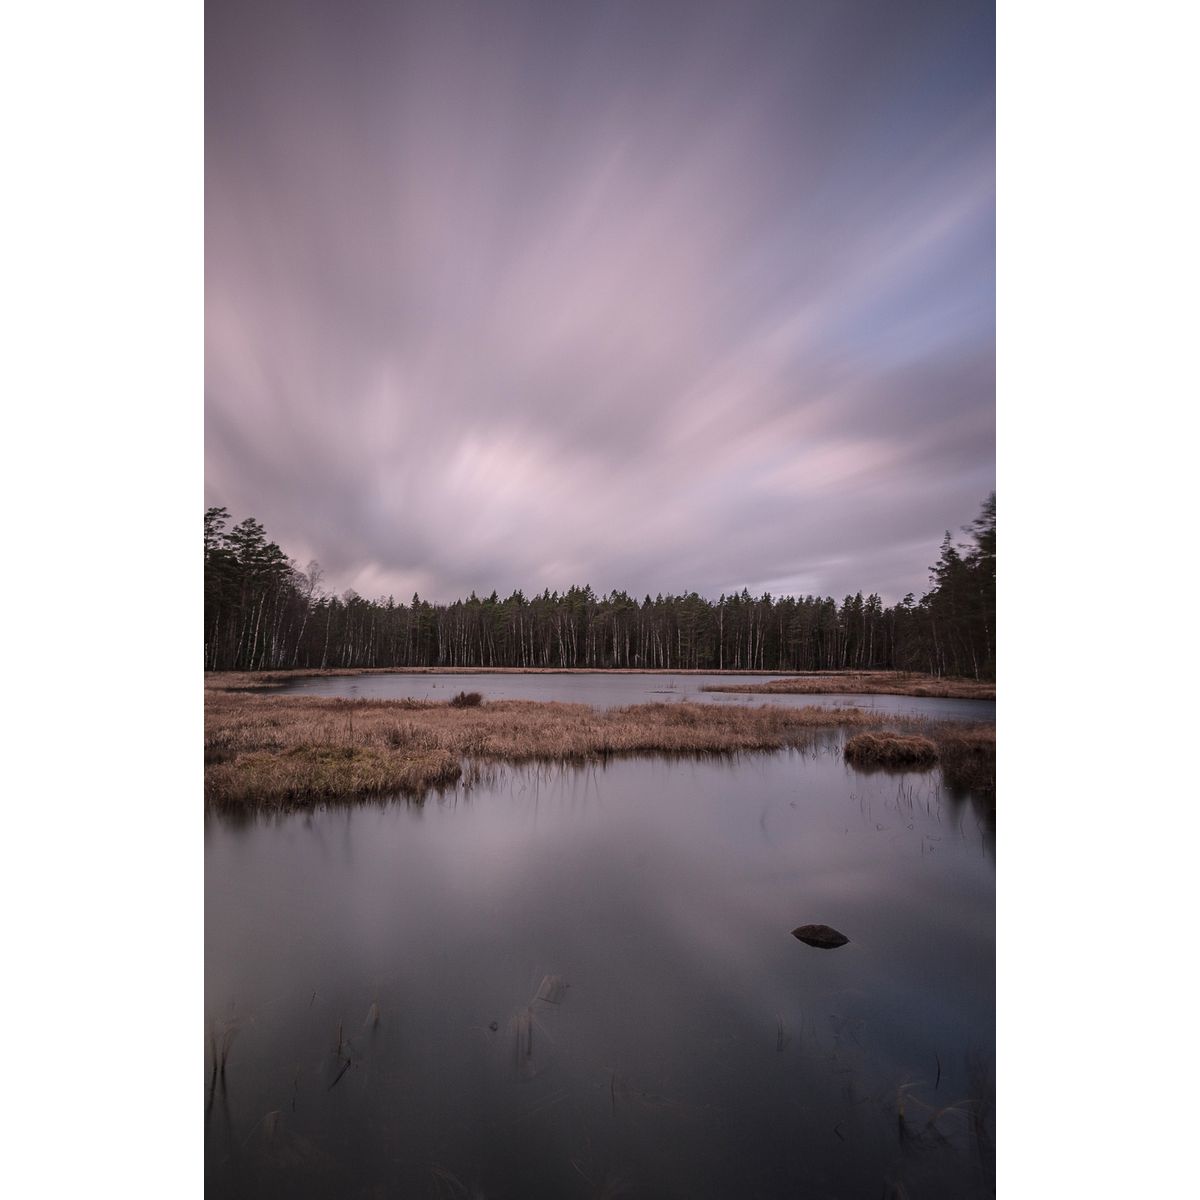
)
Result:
{"points": [[822, 936]]}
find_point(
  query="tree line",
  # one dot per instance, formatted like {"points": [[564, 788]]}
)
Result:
{"points": [[263, 613]]}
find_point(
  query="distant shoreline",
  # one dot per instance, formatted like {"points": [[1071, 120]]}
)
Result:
{"points": [[871, 683], [815, 683]]}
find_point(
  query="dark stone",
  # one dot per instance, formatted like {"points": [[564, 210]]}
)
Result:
{"points": [[494, 1026], [821, 936]]}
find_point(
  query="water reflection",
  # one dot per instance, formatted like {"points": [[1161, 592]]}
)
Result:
{"points": [[582, 982]]}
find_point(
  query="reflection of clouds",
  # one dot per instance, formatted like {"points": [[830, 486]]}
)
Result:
{"points": [[528, 306], [648, 887]]}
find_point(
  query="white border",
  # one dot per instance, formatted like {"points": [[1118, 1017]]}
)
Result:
{"points": [[102, 887], [1097, 259], [102, 279]]}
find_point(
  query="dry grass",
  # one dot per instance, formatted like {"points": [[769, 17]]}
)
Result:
{"points": [[866, 683], [306, 774], [888, 749], [968, 757], [965, 753], [279, 751]]}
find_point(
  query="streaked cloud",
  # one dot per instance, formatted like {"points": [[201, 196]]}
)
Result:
{"points": [[649, 296]]}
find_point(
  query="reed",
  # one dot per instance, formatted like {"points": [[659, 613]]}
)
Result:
{"points": [[968, 757], [890, 749]]}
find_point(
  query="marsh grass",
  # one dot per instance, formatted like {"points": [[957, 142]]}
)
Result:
{"points": [[325, 772], [866, 683], [269, 751], [968, 758], [889, 749], [966, 753], [283, 752]]}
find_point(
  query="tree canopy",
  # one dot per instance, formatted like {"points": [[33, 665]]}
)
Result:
{"points": [[262, 613]]}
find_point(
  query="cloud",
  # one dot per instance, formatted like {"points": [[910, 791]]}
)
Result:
{"points": [[647, 297]]}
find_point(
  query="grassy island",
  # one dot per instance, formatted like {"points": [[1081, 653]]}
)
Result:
{"points": [[272, 751], [866, 683]]}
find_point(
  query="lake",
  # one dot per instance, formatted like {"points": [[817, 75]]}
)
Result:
{"points": [[581, 982], [612, 690]]}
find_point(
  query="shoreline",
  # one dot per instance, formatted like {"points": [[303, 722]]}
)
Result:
{"points": [[815, 683]]}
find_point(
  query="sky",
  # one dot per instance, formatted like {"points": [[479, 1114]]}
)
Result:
{"points": [[651, 296]]}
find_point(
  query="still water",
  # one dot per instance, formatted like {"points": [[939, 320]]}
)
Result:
{"points": [[581, 982], [609, 690]]}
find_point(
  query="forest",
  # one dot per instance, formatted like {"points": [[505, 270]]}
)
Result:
{"points": [[261, 612]]}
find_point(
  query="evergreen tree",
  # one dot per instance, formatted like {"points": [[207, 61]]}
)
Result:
{"points": [[260, 612]]}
